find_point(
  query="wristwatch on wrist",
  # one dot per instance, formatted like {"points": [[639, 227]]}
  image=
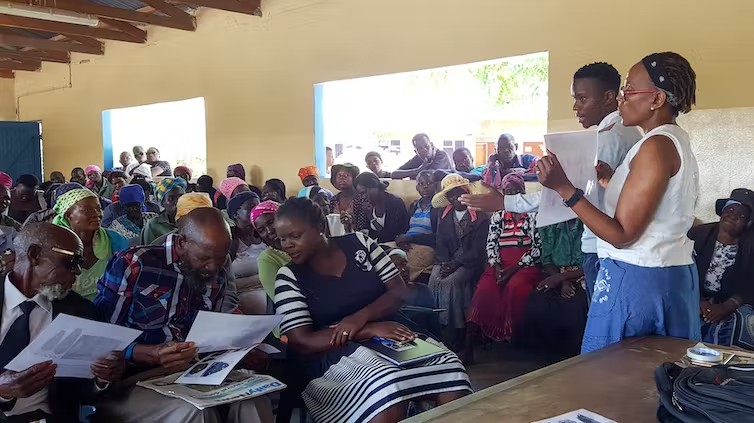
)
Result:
{"points": [[578, 195]]}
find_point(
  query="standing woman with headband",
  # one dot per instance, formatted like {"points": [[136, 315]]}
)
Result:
{"points": [[648, 283]]}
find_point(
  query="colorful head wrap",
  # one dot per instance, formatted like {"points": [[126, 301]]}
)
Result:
{"points": [[183, 169], [101, 242], [190, 202], [228, 185], [237, 170], [132, 194], [6, 180], [67, 200], [265, 207], [305, 172], [62, 189], [166, 185], [514, 179], [238, 200], [92, 168]]}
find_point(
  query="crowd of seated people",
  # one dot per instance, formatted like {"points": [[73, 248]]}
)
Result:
{"points": [[341, 267]]}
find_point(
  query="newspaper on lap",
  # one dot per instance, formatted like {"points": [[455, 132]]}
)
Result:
{"points": [[239, 385]]}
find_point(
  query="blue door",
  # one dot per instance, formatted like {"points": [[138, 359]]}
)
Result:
{"points": [[21, 149]]}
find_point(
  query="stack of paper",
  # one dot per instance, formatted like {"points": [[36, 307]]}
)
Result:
{"points": [[229, 337]]}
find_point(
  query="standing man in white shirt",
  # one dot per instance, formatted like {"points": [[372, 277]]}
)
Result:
{"points": [[48, 259], [595, 101], [595, 92]]}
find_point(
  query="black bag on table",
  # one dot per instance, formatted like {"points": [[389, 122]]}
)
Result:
{"points": [[719, 394]]}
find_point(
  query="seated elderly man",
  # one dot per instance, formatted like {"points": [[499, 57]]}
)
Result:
{"points": [[35, 291], [159, 289]]}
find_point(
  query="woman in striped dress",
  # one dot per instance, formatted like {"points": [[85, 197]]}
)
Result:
{"points": [[338, 291]]}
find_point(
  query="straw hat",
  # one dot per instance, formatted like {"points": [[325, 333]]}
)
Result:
{"points": [[454, 180]]}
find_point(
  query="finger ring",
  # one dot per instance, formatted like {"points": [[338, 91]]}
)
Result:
{"points": [[547, 286], [708, 310], [345, 333]]}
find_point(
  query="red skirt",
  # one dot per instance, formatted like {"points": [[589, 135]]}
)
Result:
{"points": [[497, 310]]}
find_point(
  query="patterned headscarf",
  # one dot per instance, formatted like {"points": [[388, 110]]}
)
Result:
{"points": [[237, 170], [228, 185], [190, 202], [265, 207], [166, 185], [304, 172], [101, 243], [6, 180], [62, 189], [67, 200]]}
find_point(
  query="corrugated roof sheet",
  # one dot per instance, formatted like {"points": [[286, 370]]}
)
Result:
{"points": [[121, 4]]}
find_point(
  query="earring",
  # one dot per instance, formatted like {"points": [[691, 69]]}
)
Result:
{"points": [[651, 108]]}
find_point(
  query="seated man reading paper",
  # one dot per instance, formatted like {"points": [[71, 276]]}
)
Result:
{"points": [[160, 289], [35, 291]]}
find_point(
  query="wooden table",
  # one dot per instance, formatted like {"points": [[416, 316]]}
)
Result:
{"points": [[616, 382]]}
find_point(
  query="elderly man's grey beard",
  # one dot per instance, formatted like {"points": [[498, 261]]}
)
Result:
{"points": [[53, 292]]}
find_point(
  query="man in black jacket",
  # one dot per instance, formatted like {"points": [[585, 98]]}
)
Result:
{"points": [[34, 292]]}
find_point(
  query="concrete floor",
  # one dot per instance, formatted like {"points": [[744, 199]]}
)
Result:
{"points": [[499, 362]]}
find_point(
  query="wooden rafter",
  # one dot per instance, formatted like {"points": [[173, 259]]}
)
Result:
{"points": [[45, 56], [170, 10], [249, 7], [9, 39], [69, 29], [125, 27], [7, 74], [184, 22], [25, 65]]}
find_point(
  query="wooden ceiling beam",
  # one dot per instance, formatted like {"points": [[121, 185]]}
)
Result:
{"points": [[24, 65], [186, 23], [69, 29], [170, 10], [126, 27], [7, 74], [43, 44], [45, 56], [91, 42], [248, 7]]}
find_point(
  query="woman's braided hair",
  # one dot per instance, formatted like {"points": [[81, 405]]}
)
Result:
{"points": [[305, 210], [683, 77]]}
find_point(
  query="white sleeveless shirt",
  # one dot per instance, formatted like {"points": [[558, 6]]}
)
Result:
{"points": [[664, 243]]}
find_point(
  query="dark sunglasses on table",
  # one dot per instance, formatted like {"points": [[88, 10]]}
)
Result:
{"points": [[77, 260]]}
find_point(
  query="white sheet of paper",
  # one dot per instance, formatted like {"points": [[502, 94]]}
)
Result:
{"points": [[222, 331], [578, 416], [74, 344], [576, 152], [213, 369]]}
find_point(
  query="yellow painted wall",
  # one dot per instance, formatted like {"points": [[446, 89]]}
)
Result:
{"points": [[7, 99], [257, 74]]}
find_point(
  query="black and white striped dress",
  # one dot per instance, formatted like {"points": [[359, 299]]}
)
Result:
{"points": [[353, 384]]}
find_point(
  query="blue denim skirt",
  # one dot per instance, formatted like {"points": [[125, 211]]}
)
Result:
{"points": [[632, 300]]}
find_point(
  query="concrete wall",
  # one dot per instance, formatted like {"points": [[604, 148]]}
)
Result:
{"points": [[257, 74], [7, 99]]}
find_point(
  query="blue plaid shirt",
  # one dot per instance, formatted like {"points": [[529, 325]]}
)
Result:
{"points": [[143, 288]]}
